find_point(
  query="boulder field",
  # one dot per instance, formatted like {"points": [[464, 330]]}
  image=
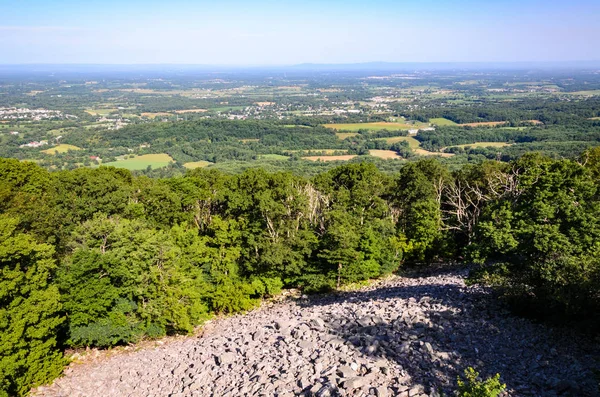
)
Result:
{"points": [[403, 336]]}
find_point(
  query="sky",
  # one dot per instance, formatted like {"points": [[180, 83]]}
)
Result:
{"points": [[271, 32]]}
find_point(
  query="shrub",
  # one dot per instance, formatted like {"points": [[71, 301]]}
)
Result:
{"points": [[316, 283], [231, 297], [472, 386]]}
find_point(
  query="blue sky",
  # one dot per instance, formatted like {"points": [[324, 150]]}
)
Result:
{"points": [[270, 32]]}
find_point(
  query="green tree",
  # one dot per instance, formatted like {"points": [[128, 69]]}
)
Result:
{"points": [[546, 233], [30, 312], [125, 280]]}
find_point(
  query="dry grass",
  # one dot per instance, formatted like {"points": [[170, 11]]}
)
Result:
{"points": [[384, 154], [423, 152], [156, 114], [330, 158], [196, 164], [191, 111]]}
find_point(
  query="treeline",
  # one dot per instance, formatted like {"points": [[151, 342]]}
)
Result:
{"points": [[450, 136], [98, 257], [549, 111]]}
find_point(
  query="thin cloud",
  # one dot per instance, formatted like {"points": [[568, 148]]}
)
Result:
{"points": [[39, 28]]}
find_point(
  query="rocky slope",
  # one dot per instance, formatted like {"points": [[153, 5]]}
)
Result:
{"points": [[405, 336]]}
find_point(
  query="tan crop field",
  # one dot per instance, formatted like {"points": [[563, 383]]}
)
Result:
{"points": [[191, 111], [196, 164], [330, 158], [384, 154], [152, 115], [423, 152]]}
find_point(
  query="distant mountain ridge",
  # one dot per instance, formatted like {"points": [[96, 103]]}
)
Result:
{"points": [[388, 67]]}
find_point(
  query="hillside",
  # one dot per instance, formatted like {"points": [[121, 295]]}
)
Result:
{"points": [[404, 336]]}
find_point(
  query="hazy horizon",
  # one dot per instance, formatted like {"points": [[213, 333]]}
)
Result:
{"points": [[269, 33]]}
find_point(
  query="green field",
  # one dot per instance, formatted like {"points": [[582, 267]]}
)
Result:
{"points": [[441, 121], [273, 157], [197, 164], [590, 92], [100, 112], [142, 162], [412, 142], [226, 108], [373, 126], [62, 148]]}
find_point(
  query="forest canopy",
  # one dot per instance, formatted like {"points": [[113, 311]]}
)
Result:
{"points": [[99, 257]]}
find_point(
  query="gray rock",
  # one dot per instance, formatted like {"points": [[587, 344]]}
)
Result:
{"points": [[345, 371], [225, 358], [356, 383]]}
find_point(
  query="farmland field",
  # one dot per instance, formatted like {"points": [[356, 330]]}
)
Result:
{"points": [[197, 164], [423, 152], [416, 146], [157, 114], [62, 148], [590, 92], [191, 111], [330, 158], [441, 121], [327, 152], [484, 144], [142, 162], [100, 112], [484, 124], [384, 154], [378, 126], [412, 142]]}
